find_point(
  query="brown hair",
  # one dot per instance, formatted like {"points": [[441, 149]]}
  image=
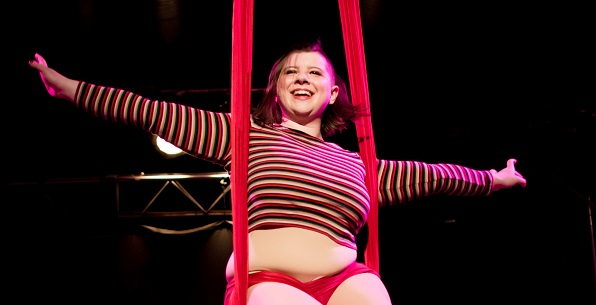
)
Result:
{"points": [[336, 116]]}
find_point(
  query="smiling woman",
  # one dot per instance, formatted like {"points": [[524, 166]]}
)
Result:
{"points": [[302, 188]]}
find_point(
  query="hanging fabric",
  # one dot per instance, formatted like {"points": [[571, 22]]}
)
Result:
{"points": [[354, 48], [242, 24]]}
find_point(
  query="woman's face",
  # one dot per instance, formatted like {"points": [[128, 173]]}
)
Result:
{"points": [[305, 87]]}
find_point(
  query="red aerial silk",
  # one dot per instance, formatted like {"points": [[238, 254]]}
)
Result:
{"points": [[242, 29], [349, 11], [242, 22]]}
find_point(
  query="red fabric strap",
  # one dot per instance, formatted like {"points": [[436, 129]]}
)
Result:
{"points": [[354, 47], [242, 28]]}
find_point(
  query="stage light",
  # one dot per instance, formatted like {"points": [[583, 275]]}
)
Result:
{"points": [[166, 148]]}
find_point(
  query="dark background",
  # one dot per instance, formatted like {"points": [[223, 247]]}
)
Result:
{"points": [[472, 84]]}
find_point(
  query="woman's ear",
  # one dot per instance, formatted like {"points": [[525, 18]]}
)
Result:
{"points": [[334, 94]]}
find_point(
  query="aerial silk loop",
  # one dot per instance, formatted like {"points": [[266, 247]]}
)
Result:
{"points": [[242, 31]]}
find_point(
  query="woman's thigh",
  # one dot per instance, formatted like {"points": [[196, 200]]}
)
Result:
{"points": [[361, 289], [272, 293]]}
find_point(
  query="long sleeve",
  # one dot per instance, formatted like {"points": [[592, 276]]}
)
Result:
{"points": [[200, 133], [403, 181]]}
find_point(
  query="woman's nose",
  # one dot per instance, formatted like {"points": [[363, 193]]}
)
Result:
{"points": [[301, 78]]}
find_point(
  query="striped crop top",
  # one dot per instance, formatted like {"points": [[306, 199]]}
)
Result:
{"points": [[294, 179]]}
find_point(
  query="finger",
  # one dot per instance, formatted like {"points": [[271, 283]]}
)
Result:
{"points": [[34, 62], [511, 163], [40, 60]]}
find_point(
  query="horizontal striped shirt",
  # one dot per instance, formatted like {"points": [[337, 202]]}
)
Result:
{"points": [[294, 179]]}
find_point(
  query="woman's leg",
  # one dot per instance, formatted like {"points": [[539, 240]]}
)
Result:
{"points": [[361, 289]]}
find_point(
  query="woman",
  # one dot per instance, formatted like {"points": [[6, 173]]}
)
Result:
{"points": [[307, 198]]}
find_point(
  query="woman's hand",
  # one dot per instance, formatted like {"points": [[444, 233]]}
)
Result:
{"points": [[56, 84], [507, 177]]}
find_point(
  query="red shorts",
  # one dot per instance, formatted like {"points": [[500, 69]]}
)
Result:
{"points": [[321, 289]]}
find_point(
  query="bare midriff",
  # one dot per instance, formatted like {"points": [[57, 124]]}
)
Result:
{"points": [[303, 254]]}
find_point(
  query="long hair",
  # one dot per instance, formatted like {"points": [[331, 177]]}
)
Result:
{"points": [[336, 116]]}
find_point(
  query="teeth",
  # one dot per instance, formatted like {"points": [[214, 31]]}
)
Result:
{"points": [[302, 92]]}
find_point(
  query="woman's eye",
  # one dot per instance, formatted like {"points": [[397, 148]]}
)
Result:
{"points": [[315, 72], [290, 71]]}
